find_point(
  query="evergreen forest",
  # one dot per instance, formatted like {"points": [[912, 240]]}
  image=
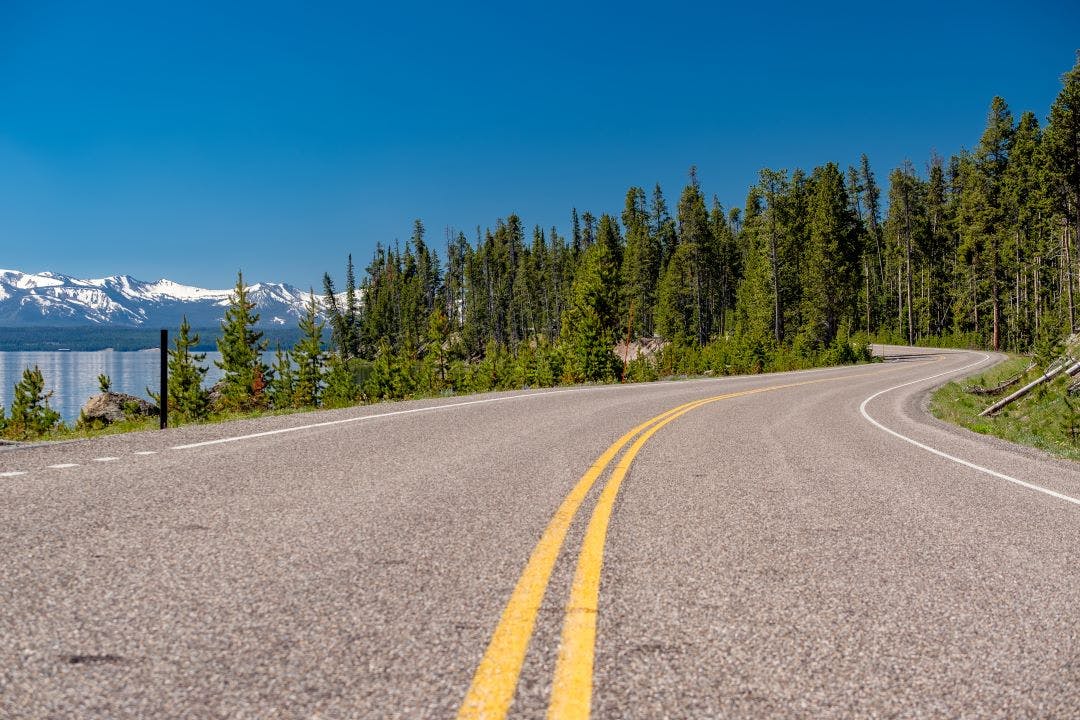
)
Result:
{"points": [[973, 250]]}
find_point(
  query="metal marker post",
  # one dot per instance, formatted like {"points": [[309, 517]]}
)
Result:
{"points": [[164, 393]]}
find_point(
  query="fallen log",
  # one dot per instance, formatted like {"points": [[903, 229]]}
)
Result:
{"points": [[1002, 386], [1068, 367]]}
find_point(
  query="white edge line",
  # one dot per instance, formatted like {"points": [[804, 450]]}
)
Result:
{"points": [[433, 408], [430, 408], [947, 456]]}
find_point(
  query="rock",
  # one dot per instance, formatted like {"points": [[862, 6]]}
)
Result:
{"points": [[216, 392], [647, 347], [110, 407]]}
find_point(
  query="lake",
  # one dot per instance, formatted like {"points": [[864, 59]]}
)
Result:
{"points": [[72, 376]]}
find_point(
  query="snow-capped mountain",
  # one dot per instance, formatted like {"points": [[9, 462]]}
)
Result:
{"points": [[54, 300]]}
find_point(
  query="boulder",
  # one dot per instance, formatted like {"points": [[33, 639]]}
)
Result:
{"points": [[647, 347], [110, 407], [217, 390]]}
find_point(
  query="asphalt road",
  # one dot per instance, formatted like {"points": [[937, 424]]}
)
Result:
{"points": [[776, 552]]}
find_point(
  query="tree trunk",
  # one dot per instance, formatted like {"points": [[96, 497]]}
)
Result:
{"points": [[1038, 300], [1016, 318], [1067, 366], [910, 313], [1068, 276], [866, 275], [778, 317], [974, 298], [995, 336], [899, 298]]}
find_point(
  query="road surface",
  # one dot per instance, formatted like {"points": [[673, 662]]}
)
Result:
{"points": [[801, 545]]}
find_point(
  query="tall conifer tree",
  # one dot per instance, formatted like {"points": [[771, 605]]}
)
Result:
{"points": [[187, 396], [241, 347], [309, 358]]}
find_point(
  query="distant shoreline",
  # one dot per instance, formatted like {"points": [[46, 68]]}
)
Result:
{"points": [[64, 339]]}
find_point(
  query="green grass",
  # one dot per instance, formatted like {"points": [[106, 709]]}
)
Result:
{"points": [[78, 432], [1042, 419]]}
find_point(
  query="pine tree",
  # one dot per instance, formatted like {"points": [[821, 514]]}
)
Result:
{"points": [[241, 347], [588, 230], [992, 159], [351, 312], [972, 209], [694, 233], [341, 330], [591, 320], [981, 224], [341, 389], [874, 256], [830, 270], [282, 387], [187, 396], [726, 266], [774, 187], [380, 318], [1063, 149], [309, 358], [940, 248], [438, 350], [641, 263], [575, 232], [1063, 133], [31, 415], [754, 306], [906, 223], [662, 226], [676, 308], [1026, 218]]}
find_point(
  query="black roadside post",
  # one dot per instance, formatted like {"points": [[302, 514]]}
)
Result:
{"points": [[164, 396]]}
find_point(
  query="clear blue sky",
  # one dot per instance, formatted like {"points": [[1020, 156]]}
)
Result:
{"points": [[190, 139]]}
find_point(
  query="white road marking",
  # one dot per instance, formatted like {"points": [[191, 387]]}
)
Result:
{"points": [[61, 466], [146, 452], [947, 456], [433, 408], [13, 473], [343, 421], [105, 459]]}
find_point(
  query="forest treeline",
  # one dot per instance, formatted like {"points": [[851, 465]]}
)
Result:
{"points": [[976, 249]]}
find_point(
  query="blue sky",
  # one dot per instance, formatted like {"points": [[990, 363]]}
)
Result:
{"points": [[188, 140]]}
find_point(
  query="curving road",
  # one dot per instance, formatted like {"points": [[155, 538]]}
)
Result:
{"points": [[797, 545]]}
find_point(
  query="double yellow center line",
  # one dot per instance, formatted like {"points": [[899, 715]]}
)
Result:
{"points": [[493, 686]]}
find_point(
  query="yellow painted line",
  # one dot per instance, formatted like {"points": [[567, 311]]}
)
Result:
{"points": [[495, 681], [496, 677], [571, 692]]}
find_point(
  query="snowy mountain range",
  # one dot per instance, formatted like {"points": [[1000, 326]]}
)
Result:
{"points": [[49, 299]]}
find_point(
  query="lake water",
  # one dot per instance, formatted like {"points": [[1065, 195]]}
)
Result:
{"points": [[72, 376]]}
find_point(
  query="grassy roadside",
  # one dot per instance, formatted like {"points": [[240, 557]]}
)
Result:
{"points": [[1047, 418], [77, 432]]}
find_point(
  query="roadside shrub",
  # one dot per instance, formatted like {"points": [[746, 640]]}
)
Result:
{"points": [[31, 415]]}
